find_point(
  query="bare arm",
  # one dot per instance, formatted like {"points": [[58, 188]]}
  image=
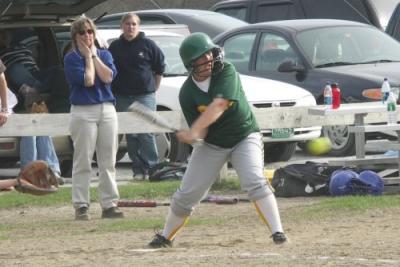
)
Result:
{"points": [[3, 98], [90, 73], [157, 78], [199, 128], [104, 72], [7, 183]]}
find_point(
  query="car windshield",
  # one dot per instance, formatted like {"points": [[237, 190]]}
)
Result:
{"points": [[170, 47], [348, 45]]}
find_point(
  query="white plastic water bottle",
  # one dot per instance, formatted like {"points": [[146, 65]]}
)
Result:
{"points": [[391, 109], [385, 90], [328, 95]]}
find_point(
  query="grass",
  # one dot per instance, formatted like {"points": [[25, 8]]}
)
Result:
{"points": [[145, 190], [165, 189], [349, 204], [142, 190]]}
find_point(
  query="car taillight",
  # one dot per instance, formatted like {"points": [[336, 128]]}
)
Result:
{"points": [[374, 94], [7, 146]]}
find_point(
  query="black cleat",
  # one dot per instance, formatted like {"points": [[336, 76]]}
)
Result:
{"points": [[82, 214], [112, 213], [160, 242], [279, 238]]}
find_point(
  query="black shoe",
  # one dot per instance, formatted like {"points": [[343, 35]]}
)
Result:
{"points": [[60, 181], [279, 238], [30, 95], [160, 242], [140, 176], [112, 213], [82, 214]]}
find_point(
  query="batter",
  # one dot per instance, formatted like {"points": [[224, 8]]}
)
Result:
{"points": [[216, 110]]}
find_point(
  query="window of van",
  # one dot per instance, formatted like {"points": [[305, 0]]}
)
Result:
{"points": [[278, 11], [354, 10], [384, 10], [238, 12]]}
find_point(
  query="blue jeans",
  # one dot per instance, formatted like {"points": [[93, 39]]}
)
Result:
{"points": [[42, 80], [38, 148], [142, 149]]}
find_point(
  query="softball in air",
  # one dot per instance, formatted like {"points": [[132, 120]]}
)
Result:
{"points": [[319, 146]]}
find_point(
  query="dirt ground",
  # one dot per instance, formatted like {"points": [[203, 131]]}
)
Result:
{"points": [[219, 235]]}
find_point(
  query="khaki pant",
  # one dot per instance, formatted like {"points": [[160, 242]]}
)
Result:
{"points": [[94, 128]]}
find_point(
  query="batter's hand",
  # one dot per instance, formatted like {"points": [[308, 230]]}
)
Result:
{"points": [[185, 136]]}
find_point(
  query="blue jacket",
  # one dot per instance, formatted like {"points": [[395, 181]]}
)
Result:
{"points": [[136, 61], [74, 66]]}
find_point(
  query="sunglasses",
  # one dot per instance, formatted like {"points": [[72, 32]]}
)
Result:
{"points": [[82, 32]]}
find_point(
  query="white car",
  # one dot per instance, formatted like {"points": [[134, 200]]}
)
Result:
{"points": [[45, 31], [261, 93]]}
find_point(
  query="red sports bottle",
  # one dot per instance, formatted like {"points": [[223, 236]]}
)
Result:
{"points": [[335, 96]]}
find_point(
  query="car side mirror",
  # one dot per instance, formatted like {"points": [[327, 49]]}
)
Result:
{"points": [[290, 66]]}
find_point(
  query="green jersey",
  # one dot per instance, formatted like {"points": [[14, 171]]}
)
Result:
{"points": [[236, 123]]}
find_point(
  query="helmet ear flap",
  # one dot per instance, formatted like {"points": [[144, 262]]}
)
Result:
{"points": [[190, 68], [218, 55]]}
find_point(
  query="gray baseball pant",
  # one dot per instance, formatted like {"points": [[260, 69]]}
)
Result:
{"points": [[247, 158]]}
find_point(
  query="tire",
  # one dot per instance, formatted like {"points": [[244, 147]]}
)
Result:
{"points": [[66, 168], [169, 148], [343, 142], [302, 145], [121, 151], [120, 155], [281, 151]]}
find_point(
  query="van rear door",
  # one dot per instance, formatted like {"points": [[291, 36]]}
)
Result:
{"points": [[393, 28]]}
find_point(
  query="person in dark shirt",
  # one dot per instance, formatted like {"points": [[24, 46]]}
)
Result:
{"points": [[23, 75], [19, 70], [140, 65]]}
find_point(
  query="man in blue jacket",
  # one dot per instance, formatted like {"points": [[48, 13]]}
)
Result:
{"points": [[140, 65]]}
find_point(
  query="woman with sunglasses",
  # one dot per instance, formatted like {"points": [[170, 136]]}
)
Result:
{"points": [[94, 127]]}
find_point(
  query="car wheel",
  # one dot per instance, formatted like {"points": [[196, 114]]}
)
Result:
{"points": [[302, 145], [343, 142], [66, 168], [121, 151], [170, 148], [281, 151], [120, 155]]}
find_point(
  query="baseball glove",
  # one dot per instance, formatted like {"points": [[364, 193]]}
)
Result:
{"points": [[37, 178]]}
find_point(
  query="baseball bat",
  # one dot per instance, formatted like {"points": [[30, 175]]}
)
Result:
{"points": [[151, 116], [220, 200], [141, 203], [156, 119]]}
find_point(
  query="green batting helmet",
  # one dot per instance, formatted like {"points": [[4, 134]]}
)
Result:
{"points": [[194, 46]]}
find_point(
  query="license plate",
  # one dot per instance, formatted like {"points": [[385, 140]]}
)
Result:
{"points": [[282, 132]]}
